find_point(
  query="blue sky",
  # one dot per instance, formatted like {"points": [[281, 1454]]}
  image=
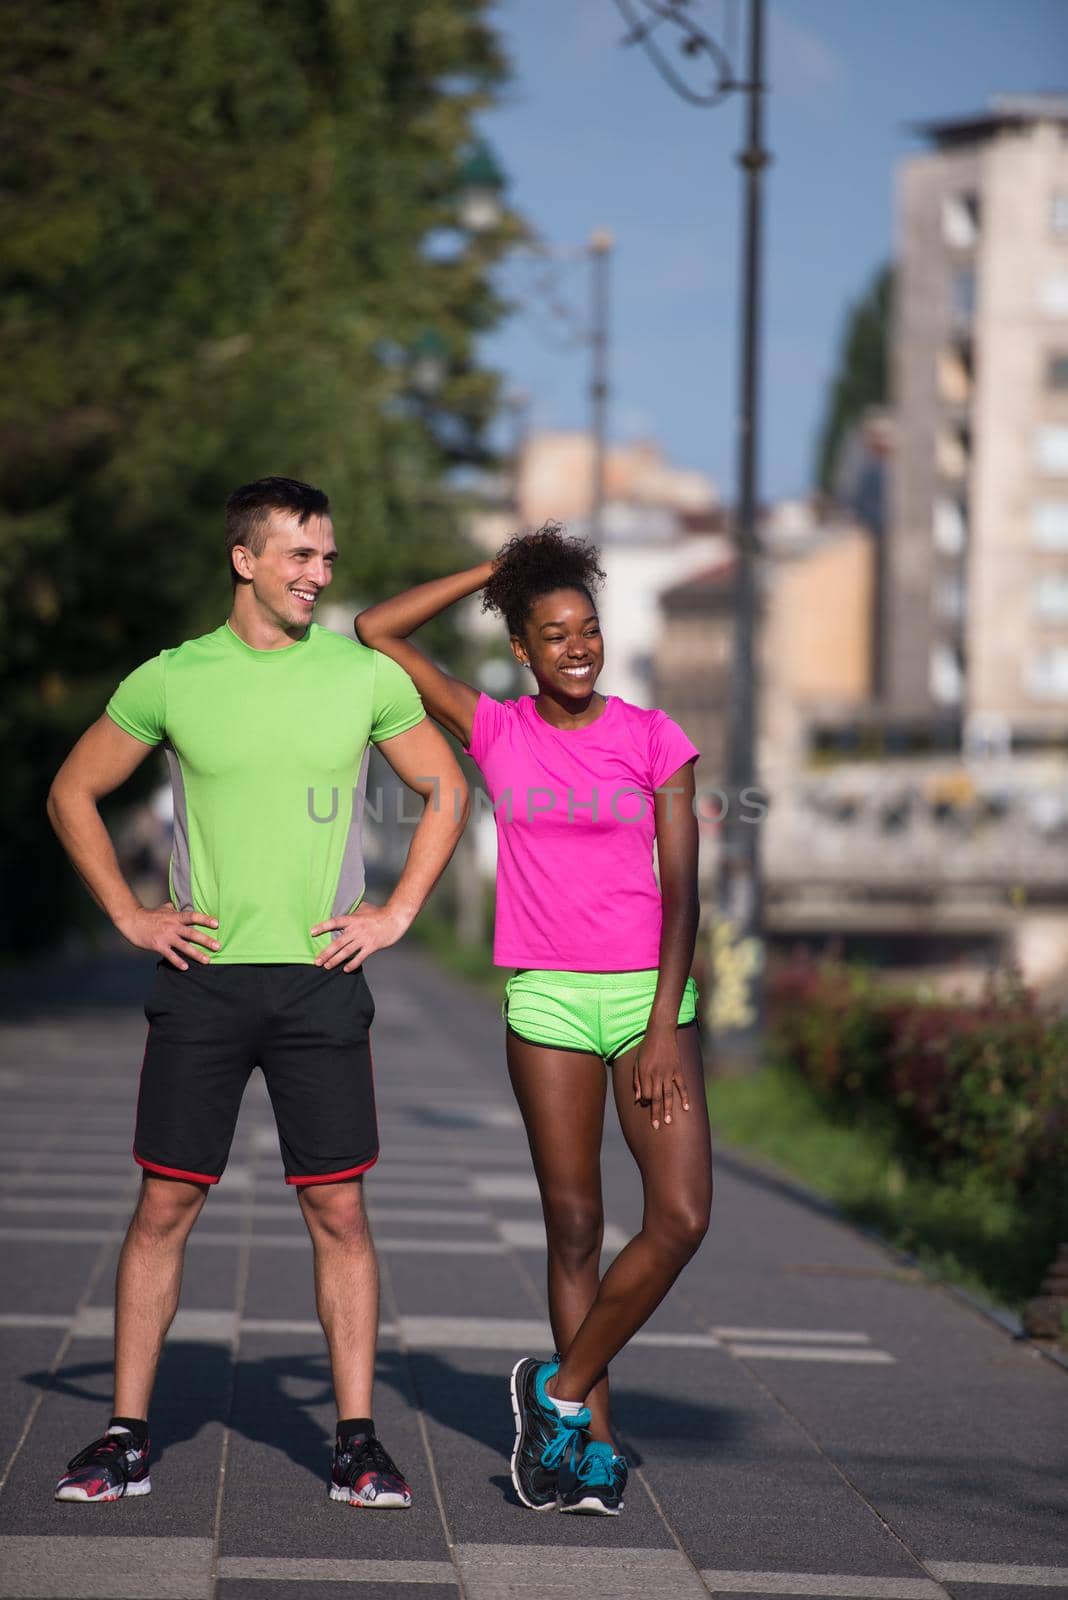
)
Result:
{"points": [[590, 137]]}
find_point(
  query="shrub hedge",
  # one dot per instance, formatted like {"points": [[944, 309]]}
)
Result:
{"points": [[975, 1095]]}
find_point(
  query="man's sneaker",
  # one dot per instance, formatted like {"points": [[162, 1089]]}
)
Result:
{"points": [[595, 1485], [111, 1468], [544, 1439], [365, 1474]]}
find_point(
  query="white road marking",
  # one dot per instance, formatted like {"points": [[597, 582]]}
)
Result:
{"points": [[505, 1186], [808, 1352], [823, 1584], [204, 1238], [391, 1213], [46, 1567], [678, 1341], [31, 1178], [384, 1189], [793, 1335], [421, 1332], [265, 1211], [993, 1572], [551, 1572], [32, 1319], [477, 1333], [529, 1233], [209, 1327], [307, 1569]]}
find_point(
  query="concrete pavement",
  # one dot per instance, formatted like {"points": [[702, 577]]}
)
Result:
{"points": [[807, 1417]]}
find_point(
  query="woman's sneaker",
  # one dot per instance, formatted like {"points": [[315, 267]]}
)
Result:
{"points": [[544, 1439], [365, 1474], [113, 1467], [595, 1485]]}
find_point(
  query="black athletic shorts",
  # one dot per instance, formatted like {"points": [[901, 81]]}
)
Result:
{"points": [[306, 1027]]}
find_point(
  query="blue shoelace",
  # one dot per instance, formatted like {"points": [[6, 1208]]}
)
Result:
{"points": [[565, 1441], [597, 1466]]}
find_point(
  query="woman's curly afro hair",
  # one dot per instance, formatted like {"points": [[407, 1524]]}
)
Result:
{"points": [[533, 564]]}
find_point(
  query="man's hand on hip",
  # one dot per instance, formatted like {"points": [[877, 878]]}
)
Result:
{"points": [[365, 930], [173, 934]]}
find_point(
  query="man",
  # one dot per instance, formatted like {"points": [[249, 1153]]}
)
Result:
{"points": [[265, 723]]}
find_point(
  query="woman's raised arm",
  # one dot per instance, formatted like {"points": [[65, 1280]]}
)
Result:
{"points": [[386, 627]]}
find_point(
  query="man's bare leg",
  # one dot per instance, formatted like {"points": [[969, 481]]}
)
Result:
{"points": [[148, 1284], [346, 1288], [346, 1295]]}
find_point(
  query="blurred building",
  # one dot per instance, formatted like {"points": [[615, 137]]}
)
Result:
{"points": [[975, 592], [659, 524], [815, 638], [691, 662], [913, 707], [555, 479], [817, 655]]}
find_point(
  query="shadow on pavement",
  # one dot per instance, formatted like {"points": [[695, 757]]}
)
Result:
{"points": [[477, 1404], [194, 1388]]}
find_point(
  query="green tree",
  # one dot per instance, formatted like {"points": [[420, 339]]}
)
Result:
{"points": [[216, 230], [861, 377]]}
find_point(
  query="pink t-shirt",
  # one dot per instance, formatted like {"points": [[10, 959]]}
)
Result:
{"points": [[576, 889]]}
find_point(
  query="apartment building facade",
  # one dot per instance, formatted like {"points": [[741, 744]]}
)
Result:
{"points": [[975, 592]]}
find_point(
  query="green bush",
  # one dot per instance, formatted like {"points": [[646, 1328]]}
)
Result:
{"points": [[973, 1097]]}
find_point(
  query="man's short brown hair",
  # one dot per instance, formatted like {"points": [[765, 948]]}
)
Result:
{"points": [[248, 511]]}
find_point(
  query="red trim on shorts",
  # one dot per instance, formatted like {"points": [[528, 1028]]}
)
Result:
{"points": [[173, 1172], [333, 1177]]}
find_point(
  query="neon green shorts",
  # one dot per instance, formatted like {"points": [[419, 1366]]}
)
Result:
{"points": [[598, 1013]]}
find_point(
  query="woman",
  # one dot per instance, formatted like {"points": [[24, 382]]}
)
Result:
{"points": [[582, 783]]}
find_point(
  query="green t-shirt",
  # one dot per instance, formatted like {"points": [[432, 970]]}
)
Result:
{"points": [[268, 758]]}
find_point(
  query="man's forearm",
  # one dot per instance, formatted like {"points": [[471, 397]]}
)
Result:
{"points": [[82, 834], [433, 842]]}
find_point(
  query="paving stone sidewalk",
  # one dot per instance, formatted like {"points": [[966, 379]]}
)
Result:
{"points": [[807, 1417]]}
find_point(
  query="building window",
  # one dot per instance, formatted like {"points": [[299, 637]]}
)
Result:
{"points": [[1050, 597], [952, 447], [949, 597], [955, 374], [960, 221], [1057, 372], [946, 675], [1058, 213], [1053, 294], [1049, 524], [962, 295], [950, 526], [1047, 674], [1051, 449]]}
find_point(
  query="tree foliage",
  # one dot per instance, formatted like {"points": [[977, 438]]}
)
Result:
{"points": [[861, 377], [216, 220]]}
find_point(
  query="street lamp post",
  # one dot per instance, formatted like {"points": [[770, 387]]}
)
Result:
{"points": [[736, 1011], [600, 248], [595, 336], [480, 187], [480, 208]]}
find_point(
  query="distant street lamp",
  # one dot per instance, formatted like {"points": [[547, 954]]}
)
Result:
{"points": [[480, 189], [737, 1004], [428, 363]]}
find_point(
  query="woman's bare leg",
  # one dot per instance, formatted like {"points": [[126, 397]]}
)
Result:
{"points": [[561, 1094], [675, 1162]]}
